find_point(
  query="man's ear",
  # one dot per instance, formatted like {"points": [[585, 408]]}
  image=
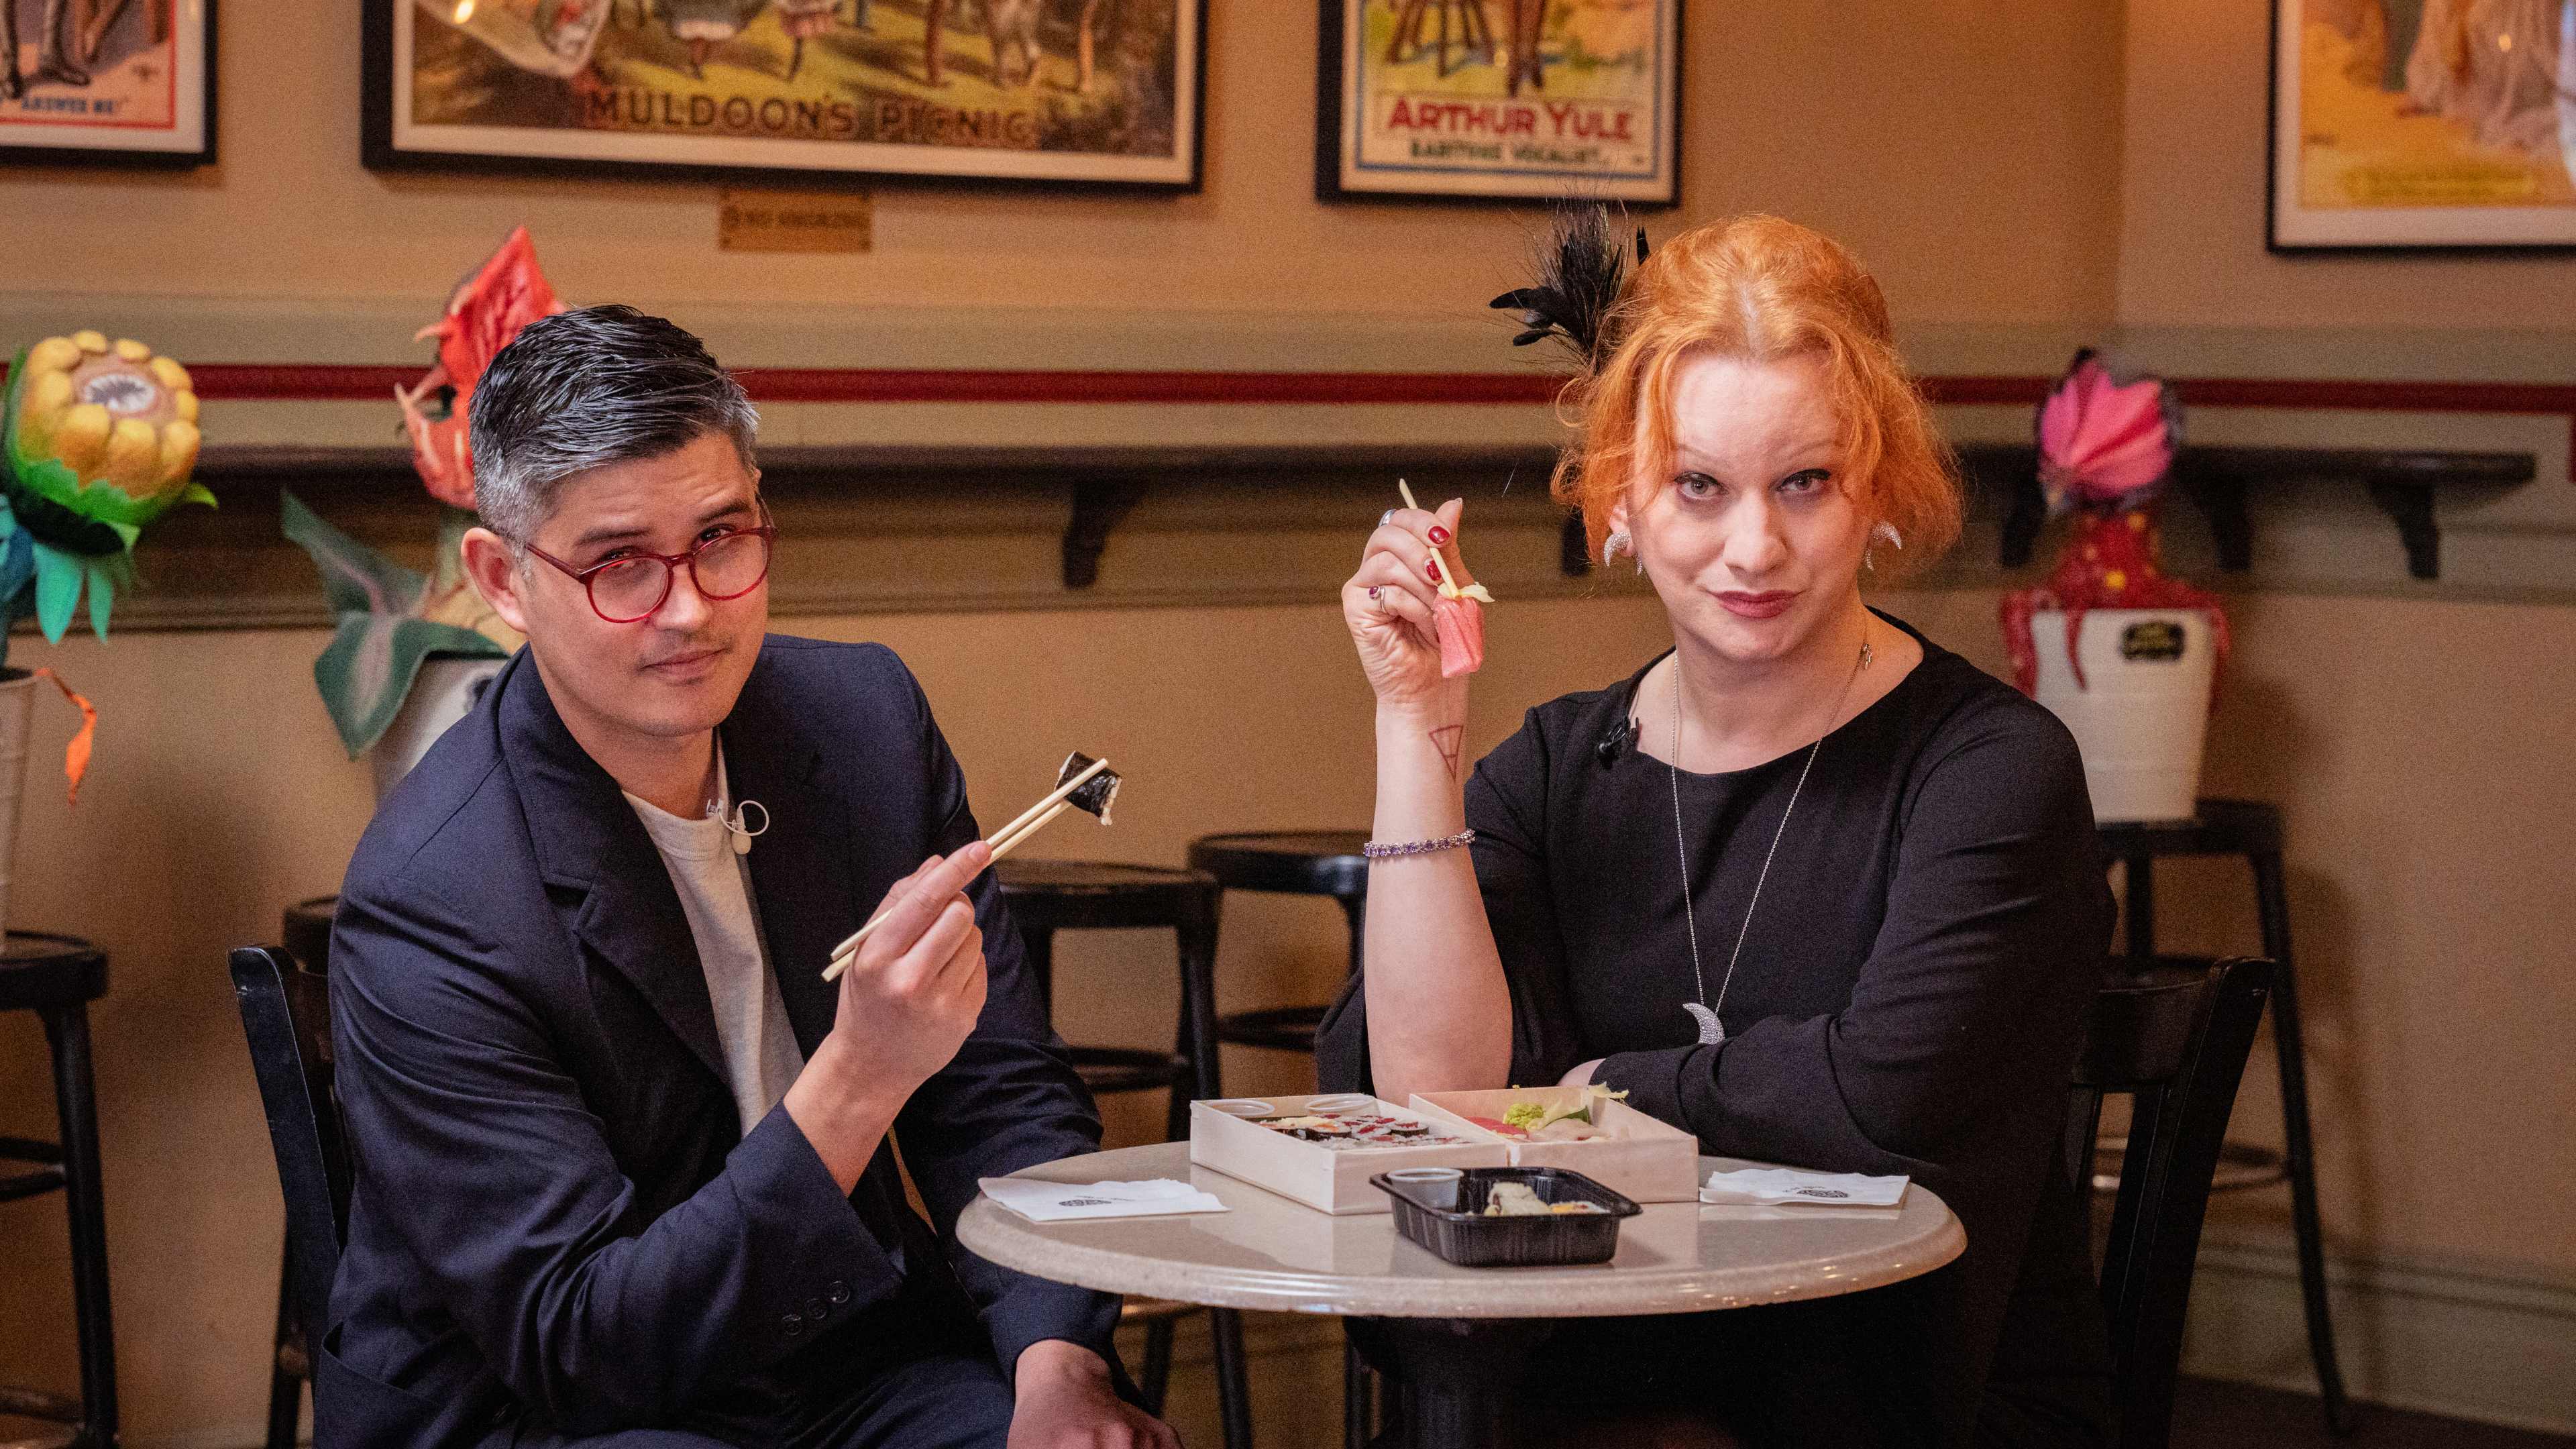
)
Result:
{"points": [[495, 573]]}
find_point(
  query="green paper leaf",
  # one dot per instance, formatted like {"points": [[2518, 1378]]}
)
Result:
{"points": [[17, 570], [366, 673], [355, 578], [102, 595], [58, 586]]}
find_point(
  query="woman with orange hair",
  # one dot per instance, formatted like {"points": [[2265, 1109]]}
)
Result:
{"points": [[1808, 885]]}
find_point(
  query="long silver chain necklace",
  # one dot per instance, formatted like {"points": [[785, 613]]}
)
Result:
{"points": [[1711, 1031]]}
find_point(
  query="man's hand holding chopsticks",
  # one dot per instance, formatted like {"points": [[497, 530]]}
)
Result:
{"points": [[910, 997]]}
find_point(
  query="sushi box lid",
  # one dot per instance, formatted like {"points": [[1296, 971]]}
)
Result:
{"points": [[1227, 1135], [1645, 1157]]}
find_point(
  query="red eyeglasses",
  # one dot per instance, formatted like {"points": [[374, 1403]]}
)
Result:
{"points": [[630, 587]]}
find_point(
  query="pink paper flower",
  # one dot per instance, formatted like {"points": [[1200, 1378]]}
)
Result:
{"points": [[2105, 444]]}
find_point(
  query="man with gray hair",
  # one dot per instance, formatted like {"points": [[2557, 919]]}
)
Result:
{"points": [[625, 1169]]}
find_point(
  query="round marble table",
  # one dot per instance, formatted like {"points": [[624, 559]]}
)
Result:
{"points": [[1452, 1338]]}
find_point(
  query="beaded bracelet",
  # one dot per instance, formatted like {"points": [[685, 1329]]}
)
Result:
{"points": [[1376, 850]]}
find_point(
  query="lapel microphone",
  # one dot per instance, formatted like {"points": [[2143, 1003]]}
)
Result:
{"points": [[737, 825], [1613, 741]]}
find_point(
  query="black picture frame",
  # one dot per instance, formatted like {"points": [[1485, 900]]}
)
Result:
{"points": [[2292, 228], [381, 148], [1333, 108], [192, 78]]}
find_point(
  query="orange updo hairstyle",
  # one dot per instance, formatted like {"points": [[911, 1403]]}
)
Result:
{"points": [[1763, 289]]}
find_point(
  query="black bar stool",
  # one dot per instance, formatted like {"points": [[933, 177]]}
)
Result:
{"points": [[1301, 863], [2251, 829], [1047, 896], [57, 977], [1288, 862]]}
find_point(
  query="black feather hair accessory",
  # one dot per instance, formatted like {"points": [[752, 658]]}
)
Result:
{"points": [[1581, 266]]}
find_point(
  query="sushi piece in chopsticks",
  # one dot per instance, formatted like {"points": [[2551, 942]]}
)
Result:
{"points": [[1083, 784], [1457, 616], [1095, 795]]}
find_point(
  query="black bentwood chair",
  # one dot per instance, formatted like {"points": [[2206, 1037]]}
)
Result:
{"points": [[2174, 1038], [286, 1017]]}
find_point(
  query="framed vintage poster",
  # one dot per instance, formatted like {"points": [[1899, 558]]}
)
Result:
{"points": [[1499, 100], [2423, 123], [1088, 92], [108, 82]]}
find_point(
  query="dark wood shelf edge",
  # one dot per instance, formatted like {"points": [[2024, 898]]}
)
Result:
{"points": [[1108, 482]]}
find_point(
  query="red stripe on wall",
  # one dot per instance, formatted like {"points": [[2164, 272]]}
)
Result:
{"points": [[303, 382]]}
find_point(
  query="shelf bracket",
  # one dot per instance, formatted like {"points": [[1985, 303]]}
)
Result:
{"points": [[2411, 506], [1099, 506]]}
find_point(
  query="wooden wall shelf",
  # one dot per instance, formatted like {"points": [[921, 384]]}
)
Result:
{"points": [[2219, 480]]}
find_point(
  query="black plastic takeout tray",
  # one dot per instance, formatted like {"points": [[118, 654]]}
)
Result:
{"points": [[1443, 1210]]}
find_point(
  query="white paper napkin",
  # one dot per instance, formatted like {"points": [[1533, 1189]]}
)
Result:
{"points": [[1773, 1185], [1052, 1202]]}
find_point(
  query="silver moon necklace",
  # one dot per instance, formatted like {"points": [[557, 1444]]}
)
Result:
{"points": [[1711, 1031]]}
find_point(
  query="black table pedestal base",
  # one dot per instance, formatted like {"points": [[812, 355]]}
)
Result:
{"points": [[1452, 1382]]}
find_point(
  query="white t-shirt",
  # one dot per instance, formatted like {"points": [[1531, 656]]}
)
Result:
{"points": [[760, 1051]]}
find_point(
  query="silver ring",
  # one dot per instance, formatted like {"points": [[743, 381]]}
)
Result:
{"points": [[1373, 593], [1386, 518]]}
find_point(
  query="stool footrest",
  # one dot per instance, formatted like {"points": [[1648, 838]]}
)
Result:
{"points": [[37, 1404], [1130, 1069], [31, 1184], [1281, 1028], [2241, 1165], [28, 1149]]}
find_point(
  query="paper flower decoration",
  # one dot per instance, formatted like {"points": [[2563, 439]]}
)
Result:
{"points": [[2103, 443], [100, 440], [391, 618], [97, 439], [485, 311], [2106, 450]]}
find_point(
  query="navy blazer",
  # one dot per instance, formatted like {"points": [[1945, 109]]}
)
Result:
{"points": [[560, 1224]]}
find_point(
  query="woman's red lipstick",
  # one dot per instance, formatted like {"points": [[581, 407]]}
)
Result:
{"points": [[1768, 605]]}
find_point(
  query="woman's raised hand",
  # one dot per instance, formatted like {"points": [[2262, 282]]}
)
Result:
{"points": [[1388, 603]]}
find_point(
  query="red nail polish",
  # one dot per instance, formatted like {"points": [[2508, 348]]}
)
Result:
{"points": [[1434, 566], [1439, 534]]}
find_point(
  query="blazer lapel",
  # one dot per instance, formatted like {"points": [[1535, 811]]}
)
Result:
{"points": [[799, 881], [588, 839]]}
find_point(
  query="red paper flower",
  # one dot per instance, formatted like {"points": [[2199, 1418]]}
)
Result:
{"points": [[487, 309]]}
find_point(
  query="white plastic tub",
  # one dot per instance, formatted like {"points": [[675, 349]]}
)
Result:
{"points": [[2142, 716]]}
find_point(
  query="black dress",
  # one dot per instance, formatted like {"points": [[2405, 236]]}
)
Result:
{"points": [[1908, 1000]]}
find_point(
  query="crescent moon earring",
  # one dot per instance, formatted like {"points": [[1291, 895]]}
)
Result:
{"points": [[1886, 531], [1616, 544]]}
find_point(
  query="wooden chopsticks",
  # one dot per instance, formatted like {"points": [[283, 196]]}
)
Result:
{"points": [[1004, 841]]}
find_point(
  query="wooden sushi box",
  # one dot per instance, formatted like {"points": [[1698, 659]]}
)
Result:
{"points": [[1229, 1135], [1645, 1158]]}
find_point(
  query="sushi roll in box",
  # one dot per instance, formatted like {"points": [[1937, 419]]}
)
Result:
{"points": [[1321, 1150]]}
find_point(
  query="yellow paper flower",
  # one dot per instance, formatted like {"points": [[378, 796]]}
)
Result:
{"points": [[111, 412]]}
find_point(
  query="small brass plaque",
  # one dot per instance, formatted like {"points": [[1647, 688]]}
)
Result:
{"points": [[794, 221], [2156, 639]]}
